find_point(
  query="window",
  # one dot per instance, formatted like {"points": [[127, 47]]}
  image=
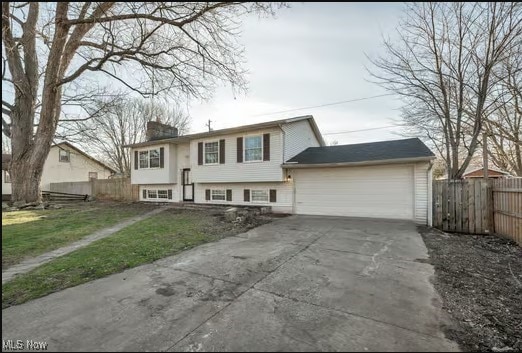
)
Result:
{"points": [[259, 195], [149, 159], [7, 177], [152, 194], [253, 148], [157, 194], [211, 152], [163, 194], [218, 195], [154, 159], [64, 156], [93, 175]]}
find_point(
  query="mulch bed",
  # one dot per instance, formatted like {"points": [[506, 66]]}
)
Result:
{"points": [[480, 281]]}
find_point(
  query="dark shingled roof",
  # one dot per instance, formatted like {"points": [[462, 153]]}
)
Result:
{"points": [[364, 152]]}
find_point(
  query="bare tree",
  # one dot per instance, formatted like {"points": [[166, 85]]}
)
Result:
{"points": [[504, 123], [443, 65], [182, 48], [123, 122]]}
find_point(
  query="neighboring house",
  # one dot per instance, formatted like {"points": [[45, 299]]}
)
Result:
{"points": [[286, 165], [65, 163], [479, 173]]}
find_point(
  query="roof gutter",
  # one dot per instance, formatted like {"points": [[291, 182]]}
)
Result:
{"points": [[355, 164]]}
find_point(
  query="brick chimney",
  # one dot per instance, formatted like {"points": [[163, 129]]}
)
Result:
{"points": [[158, 131]]}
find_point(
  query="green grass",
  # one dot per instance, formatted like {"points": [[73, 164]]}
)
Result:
{"points": [[31, 233], [159, 236]]}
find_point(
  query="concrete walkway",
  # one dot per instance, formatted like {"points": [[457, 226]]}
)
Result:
{"points": [[296, 284], [34, 262]]}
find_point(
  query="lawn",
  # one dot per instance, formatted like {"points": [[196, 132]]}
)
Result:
{"points": [[164, 234], [31, 233]]}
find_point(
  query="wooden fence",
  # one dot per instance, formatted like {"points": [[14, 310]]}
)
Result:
{"points": [[477, 206], [119, 189], [507, 208]]}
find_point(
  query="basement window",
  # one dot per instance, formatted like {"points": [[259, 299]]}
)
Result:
{"points": [[218, 195], [259, 195]]}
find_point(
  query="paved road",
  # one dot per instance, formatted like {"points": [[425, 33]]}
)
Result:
{"points": [[297, 284]]}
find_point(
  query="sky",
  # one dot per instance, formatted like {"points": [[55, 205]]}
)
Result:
{"points": [[312, 54]]}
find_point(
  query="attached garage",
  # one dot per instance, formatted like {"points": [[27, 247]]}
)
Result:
{"points": [[388, 179]]}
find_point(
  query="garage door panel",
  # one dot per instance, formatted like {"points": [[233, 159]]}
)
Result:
{"points": [[383, 192]]}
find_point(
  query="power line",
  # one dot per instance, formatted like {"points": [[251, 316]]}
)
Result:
{"points": [[323, 105], [350, 131]]}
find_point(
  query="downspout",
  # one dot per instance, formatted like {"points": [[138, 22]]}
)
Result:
{"points": [[429, 179]]}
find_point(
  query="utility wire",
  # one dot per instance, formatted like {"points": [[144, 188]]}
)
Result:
{"points": [[350, 131], [324, 105]]}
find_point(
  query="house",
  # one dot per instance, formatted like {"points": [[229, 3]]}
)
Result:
{"points": [[286, 165], [479, 173], [65, 163]]}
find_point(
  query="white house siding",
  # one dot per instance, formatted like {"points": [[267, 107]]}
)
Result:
{"points": [[173, 187], [284, 194], [232, 171], [298, 136], [77, 169], [422, 192], [156, 175], [6, 187]]}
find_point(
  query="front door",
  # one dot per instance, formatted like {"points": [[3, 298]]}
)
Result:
{"points": [[187, 185]]}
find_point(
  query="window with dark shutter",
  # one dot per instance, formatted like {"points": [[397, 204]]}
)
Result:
{"points": [[162, 157], [207, 194], [246, 195], [229, 195], [240, 150], [200, 153], [221, 151], [170, 194], [266, 147], [135, 159], [144, 193], [273, 195]]}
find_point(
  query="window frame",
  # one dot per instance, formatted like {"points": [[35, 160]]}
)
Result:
{"points": [[205, 152], [218, 190], [90, 177], [157, 192], [67, 154], [148, 158], [260, 190], [260, 136]]}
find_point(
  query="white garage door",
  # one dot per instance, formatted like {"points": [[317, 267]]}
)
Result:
{"points": [[377, 191]]}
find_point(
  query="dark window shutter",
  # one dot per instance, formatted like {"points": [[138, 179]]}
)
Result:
{"points": [[240, 150], [246, 195], [170, 194], [229, 195], [273, 195], [221, 151], [207, 194], [266, 147], [136, 160], [200, 153], [144, 193], [162, 157]]}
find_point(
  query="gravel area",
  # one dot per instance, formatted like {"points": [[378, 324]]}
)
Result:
{"points": [[480, 281]]}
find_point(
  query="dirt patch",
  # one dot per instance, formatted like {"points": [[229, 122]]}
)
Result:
{"points": [[480, 281]]}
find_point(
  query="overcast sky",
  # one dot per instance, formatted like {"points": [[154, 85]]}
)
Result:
{"points": [[311, 54]]}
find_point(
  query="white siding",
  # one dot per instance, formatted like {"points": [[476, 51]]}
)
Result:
{"points": [[422, 197], [174, 188], [385, 191], [165, 175], [232, 171], [77, 169], [6, 187], [298, 136], [284, 194]]}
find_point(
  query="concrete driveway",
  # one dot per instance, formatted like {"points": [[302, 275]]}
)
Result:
{"points": [[297, 284]]}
